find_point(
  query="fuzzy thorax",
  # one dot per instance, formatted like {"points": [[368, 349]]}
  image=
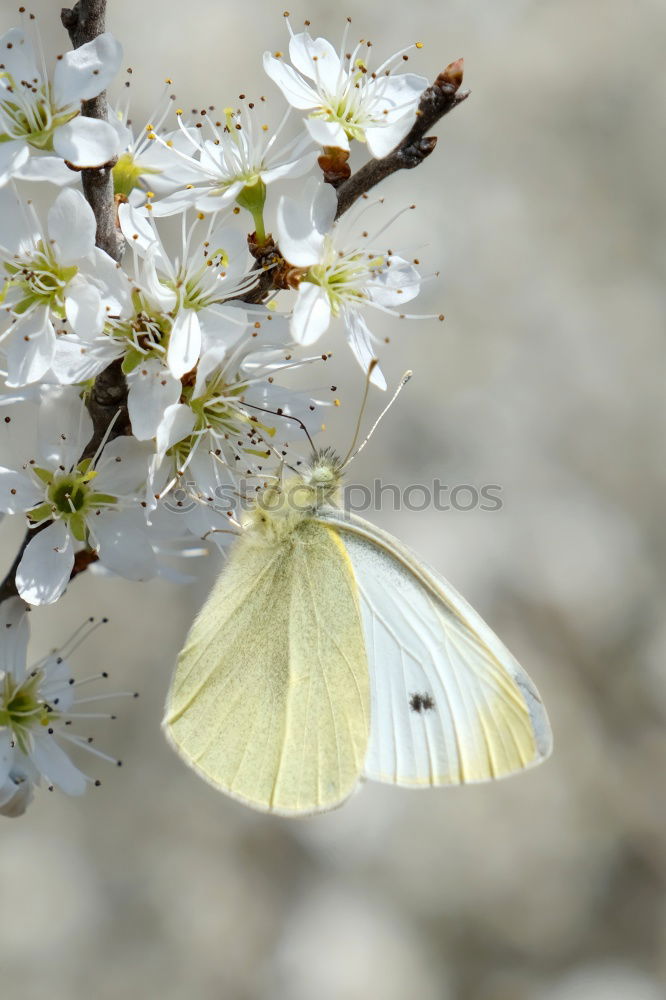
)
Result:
{"points": [[282, 506]]}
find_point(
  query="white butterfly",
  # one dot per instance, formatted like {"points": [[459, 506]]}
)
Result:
{"points": [[327, 652]]}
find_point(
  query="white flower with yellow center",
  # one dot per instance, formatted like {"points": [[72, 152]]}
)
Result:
{"points": [[236, 160], [151, 160], [231, 423], [339, 282], [48, 276], [346, 100], [212, 267], [39, 114], [39, 706], [70, 501]]}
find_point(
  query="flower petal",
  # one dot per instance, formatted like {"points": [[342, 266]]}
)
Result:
{"points": [[327, 133], [184, 343], [177, 423], [52, 761], [64, 427], [18, 57], [317, 59], [14, 636], [311, 315], [176, 202], [85, 72], [396, 284], [6, 760], [122, 467], [71, 223], [15, 796], [20, 229], [46, 566], [296, 91], [13, 156], [360, 341], [46, 170], [302, 223], [84, 308], [30, 347], [152, 388], [300, 164], [86, 142], [112, 281], [76, 360], [18, 492], [139, 231], [123, 546]]}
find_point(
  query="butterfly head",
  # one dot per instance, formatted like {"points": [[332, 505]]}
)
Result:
{"points": [[281, 506], [324, 476]]}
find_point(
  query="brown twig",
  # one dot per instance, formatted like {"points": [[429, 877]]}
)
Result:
{"points": [[84, 22], [441, 97], [436, 101]]}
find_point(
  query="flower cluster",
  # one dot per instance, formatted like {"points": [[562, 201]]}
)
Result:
{"points": [[193, 324], [40, 708]]}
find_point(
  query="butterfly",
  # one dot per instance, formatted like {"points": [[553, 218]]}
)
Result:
{"points": [[327, 653]]}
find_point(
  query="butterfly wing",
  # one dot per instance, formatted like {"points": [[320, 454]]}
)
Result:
{"points": [[270, 698], [449, 703]]}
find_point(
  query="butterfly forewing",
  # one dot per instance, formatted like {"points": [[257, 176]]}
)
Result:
{"points": [[270, 699], [449, 703]]}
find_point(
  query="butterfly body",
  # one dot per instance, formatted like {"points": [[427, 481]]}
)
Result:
{"points": [[327, 652]]}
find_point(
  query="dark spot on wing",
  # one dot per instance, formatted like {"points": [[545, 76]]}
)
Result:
{"points": [[421, 702]]}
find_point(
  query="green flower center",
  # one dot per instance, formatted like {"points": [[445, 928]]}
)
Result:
{"points": [[347, 109], [27, 112], [220, 410], [127, 174], [146, 333], [40, 279], [68, 495], [344, 277], [21, 707], [70, 498]]}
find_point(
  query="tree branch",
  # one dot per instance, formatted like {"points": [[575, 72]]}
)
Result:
{"points": [[436, 101], [84, 22], [441, 97]]}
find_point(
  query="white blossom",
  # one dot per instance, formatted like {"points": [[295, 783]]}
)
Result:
{"points": [[232, 422], [39, 704], [71, 501], [345, 100], [40, 114], [213, 267], [146, 166], [338, 282], [235, 162], [51, 276]]}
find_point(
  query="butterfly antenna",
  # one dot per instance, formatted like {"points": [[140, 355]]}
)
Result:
{"points": [[368, 375], [351, 454], [286, 416]]}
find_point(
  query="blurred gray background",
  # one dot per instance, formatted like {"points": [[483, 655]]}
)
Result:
{"points": [[543, 209]]}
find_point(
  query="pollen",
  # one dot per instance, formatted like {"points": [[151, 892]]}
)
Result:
{"points": [[419, 45]]}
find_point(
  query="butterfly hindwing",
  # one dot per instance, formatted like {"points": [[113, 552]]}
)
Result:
{"points": [[270, 699], [449, 703]]}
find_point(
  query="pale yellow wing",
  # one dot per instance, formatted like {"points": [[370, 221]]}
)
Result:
{"points": [[270, 698], [450, 704]]}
